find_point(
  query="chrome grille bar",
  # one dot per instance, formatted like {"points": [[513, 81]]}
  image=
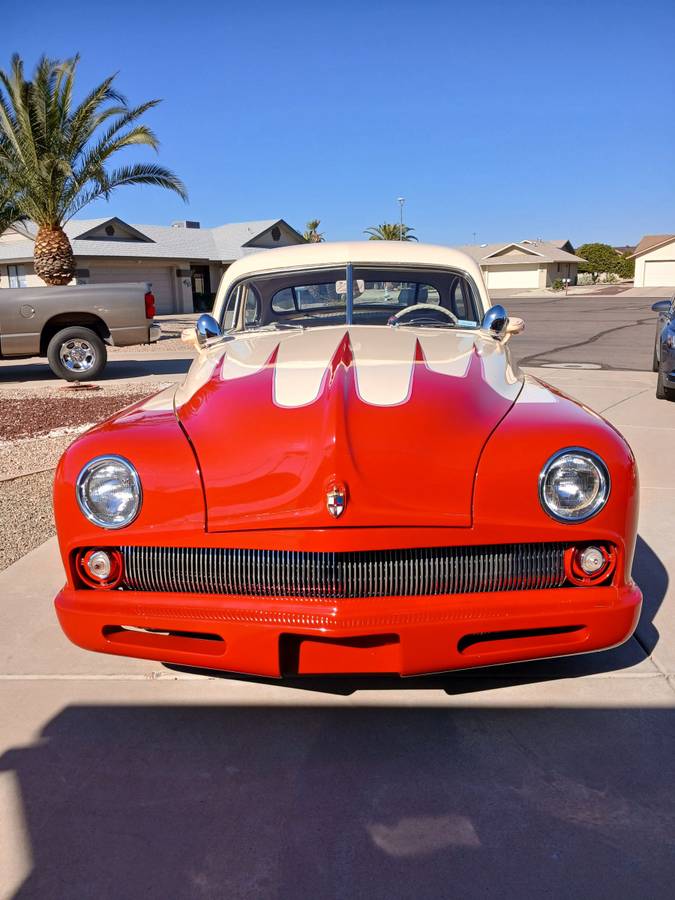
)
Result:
{"points": [[429, 571]]}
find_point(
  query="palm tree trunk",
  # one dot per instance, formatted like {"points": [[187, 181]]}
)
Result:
{"points": [[53, 255]]}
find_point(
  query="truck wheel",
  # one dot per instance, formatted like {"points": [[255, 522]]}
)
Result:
{"points": [[76, 354], [655, 360]]}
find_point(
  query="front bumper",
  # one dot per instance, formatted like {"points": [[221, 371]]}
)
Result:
{"points": [[274, 637]]}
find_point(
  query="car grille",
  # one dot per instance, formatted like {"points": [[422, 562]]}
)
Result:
{"points": [[376, 573]]}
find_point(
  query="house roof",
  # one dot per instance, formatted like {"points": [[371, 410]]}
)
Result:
{"points": [[224, 243], [651, 242], [539, 251]]}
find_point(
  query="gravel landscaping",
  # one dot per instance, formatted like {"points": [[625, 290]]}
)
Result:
{"points": [[34, 432], [26, 518]]}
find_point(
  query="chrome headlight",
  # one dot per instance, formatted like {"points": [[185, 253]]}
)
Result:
{"points": [[109, 491], [573, 485]]}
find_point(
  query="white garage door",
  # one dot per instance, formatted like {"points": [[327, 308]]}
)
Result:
{"points": [[162, 280], [514, 278], [660, 273]]}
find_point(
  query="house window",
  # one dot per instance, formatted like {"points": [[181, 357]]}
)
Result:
{"points": [[16, 276], [110, 230], [276, 233], [559, 268]]}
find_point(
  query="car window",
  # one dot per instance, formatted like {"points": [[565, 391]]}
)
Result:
{"points": [[252, 307], [394, 293], [230, 309], [459, 299], [310, 296]]}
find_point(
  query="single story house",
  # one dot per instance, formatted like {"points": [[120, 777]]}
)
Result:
{"points": [[525, 264], [183, 262], [655, 261]]}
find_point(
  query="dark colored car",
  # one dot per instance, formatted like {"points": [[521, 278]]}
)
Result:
{"points": [[664, 349]]}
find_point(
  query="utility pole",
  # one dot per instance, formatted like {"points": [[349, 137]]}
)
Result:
{"points": [[401, 201]]}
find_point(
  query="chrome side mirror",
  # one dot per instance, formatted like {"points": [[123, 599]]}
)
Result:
{"points": [[495, 321], [207, 327]]}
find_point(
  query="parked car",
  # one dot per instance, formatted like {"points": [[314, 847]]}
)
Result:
{"points": [[664, 349], [352, 478], [71, 325]]}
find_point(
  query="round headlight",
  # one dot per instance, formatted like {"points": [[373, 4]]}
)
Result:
{"points": [[109, 491], [573, 485]]}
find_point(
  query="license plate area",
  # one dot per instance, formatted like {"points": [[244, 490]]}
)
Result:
{"points": [[362, 655]]}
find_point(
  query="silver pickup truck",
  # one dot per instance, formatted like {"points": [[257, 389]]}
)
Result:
{"points": [[71, 325]]}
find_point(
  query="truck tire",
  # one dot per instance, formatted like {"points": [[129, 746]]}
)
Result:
{"points": [[655, 357], [76, 354]]}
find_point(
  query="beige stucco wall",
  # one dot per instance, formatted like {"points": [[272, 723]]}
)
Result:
{"points": [[663, 254], [32, 280]]}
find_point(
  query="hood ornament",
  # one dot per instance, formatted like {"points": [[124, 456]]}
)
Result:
{"points": [[336, 501]]}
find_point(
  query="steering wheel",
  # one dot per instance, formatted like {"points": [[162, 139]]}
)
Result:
{"points": [[422, 314]]}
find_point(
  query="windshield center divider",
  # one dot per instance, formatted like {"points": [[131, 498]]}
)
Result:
{"points": [[350, 294]]}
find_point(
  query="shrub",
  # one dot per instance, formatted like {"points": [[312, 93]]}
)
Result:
{"points": [[558, 285]]}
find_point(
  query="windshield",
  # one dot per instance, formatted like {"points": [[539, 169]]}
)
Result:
{"points": [[379, 296]]}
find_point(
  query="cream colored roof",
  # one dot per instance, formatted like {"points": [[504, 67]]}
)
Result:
{"points": [[334, 253]]}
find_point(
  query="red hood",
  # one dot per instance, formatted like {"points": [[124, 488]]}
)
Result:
{"points": [[396, 419]]}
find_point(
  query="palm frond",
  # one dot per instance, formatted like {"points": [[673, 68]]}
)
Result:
{"points": [[54, 155]]}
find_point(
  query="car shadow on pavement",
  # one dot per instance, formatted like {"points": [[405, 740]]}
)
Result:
{"points": [[115, 369], [340, 802], [649, 573], [652, 577]]}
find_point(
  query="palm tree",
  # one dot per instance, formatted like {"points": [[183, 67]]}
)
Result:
{"points": [[312, 235], [390, 231], [54, 155]]}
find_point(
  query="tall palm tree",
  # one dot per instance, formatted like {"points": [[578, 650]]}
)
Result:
{"points": [[54, 155], [312, 235], [390, 231]]}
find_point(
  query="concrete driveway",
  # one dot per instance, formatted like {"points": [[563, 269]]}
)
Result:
{"points": [[119, 778]]}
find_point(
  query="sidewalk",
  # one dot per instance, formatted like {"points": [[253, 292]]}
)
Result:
{"points": [[583, 290], [549, 778]]}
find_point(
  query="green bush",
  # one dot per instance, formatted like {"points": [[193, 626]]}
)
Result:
{"points": [[558, 285], [601, 259]]}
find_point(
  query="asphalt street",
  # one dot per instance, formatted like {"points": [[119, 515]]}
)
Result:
{"points": [[600, 331]]}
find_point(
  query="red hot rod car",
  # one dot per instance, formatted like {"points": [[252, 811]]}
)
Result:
{"points": [[353, 478]]}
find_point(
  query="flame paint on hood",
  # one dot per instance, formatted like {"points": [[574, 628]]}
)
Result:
{"points": [[398, 417]]}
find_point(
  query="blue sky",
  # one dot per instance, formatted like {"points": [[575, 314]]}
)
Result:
{"points": [[508, 120]]}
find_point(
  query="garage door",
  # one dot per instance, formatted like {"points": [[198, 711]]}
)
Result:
{"points": [[660, 273], [514, 278], [162, 280]]}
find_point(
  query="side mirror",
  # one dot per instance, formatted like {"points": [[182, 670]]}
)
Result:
{"points": [[661, 306], [207, 327], [495, 321]]}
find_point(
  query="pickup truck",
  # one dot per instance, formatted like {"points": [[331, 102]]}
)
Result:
{"points": [[71, 325]]}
